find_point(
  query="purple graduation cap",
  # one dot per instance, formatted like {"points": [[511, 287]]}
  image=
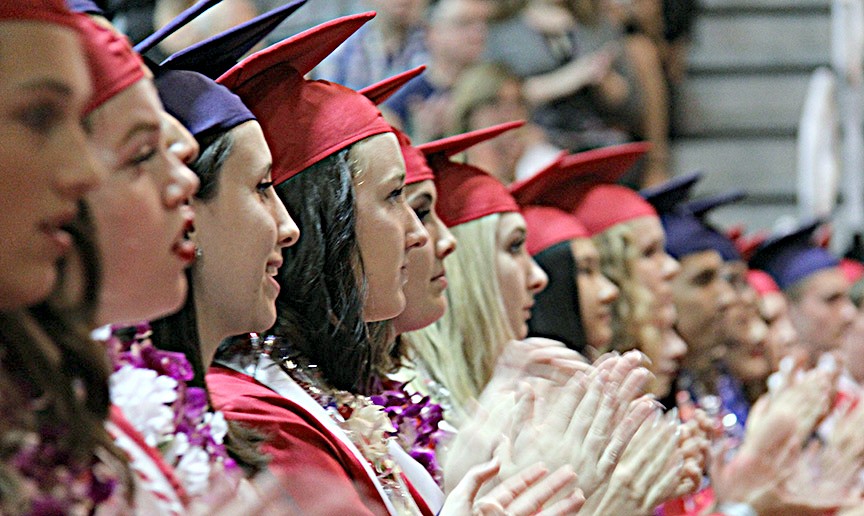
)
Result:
{"points": [[668, 196], [186, 80], [791, 257], [688, 232], [215, 55], [171, 27]]}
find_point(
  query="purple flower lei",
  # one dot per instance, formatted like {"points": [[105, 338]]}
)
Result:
{"points": [[416, 419], [48, 479], [190, 408]]}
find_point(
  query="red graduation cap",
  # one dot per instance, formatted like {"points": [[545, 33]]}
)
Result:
{"points": [[548, 226], [304, 121], [762, 282], [384, 89], [48, 11], [114, 66], [853, 270], [416, 168], [584, 184], [466, 193]]}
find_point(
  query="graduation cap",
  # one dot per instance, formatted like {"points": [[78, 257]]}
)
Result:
{"points": [[688, 231], [791, 257], [585, 185], [215, 55], [668, 196], [761, 282], [185, 80], [174, 25], [465, 192], [548, 226], [304, 121], [416, 168], [113, 65]]}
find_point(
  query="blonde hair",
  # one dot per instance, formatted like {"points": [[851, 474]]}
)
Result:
{"points": [[460, 349], [633, 326]]}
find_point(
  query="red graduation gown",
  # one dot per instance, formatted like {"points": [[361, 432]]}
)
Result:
{"points": [[319, 471]]}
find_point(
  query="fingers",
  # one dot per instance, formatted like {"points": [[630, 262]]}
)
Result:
{"points": [[509, 490], [623, 434], [471, 483], [533, 499]]}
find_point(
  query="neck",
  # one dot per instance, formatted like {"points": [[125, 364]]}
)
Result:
{"points": [[210, 334]]}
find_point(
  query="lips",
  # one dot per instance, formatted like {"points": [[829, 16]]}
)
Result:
{"points": [[53, 228], [272, 268], [184, 248]]}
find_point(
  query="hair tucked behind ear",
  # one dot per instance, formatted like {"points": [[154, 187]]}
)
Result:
{"points": [[320, 306], [179, 331]]}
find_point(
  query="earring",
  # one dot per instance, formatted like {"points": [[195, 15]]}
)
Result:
{"points": [[198, 252]]}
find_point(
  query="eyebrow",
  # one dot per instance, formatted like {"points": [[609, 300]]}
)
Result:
{"points": [[424, 196], [141, 127], [52, 85]]}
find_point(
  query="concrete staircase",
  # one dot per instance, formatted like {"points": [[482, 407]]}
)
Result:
{"points": [[750, 64]]}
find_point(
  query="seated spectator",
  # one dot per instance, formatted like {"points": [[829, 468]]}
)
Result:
{"points": [[488, 94], [455, 41], [392, 43]]}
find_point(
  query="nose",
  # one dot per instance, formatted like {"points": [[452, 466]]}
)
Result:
{"points": [[416, 234], [848, 310], [182, 183], [726, 295], [537, 278], [675, 345], [670, 267], [446, 242], [78, 169], [608, 290], [181, 143], [287, 231]]}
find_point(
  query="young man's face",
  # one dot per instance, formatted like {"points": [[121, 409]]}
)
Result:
{"points": [[821, 310], [702, 296]]}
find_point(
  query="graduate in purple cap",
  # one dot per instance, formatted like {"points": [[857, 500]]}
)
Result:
{"points": [[814, 284]]}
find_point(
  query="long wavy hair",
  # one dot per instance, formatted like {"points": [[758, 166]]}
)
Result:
{"points": [[633, 326], [320, 305], [53, 377], [460, 350]]}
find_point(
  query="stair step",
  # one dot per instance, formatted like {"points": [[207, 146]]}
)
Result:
{"points": [[709, 6], [754, 217], [744, 103], [762, 167], [761, 40]]}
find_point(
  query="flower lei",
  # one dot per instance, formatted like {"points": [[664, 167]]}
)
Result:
{"points": [[365, 423], [39, 473], [149, 385], [416, 420]]}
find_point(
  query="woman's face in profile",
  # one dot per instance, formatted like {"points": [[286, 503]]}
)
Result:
{"points": [[387, 228], [140, 212], [46, 162]]}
